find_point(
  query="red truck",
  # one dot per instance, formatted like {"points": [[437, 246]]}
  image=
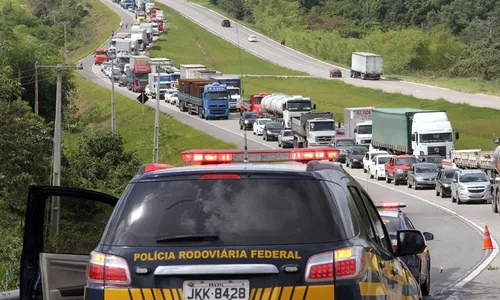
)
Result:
{"points": [[100, 56], [396, 168], [152, 12], [253, 104], [137, 74]]}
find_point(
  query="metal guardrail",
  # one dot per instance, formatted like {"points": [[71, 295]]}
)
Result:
{"points": [[10, 295]]}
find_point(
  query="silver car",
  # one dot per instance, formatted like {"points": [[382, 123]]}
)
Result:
{"points": [[470, 186], [422, 175], [285, 138]]}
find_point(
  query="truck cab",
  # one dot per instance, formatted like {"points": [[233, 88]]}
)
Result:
{"points": [[100, 56], [363, 133], [254, 104], [313, 129], [432, 134]]}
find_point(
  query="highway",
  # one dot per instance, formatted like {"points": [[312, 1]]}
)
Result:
{"points": [[457, 247], [271, 50]]}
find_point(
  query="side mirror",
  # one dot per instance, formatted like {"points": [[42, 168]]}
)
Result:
{"points": [[454, 181], [355, 130], [428, 236], [457, 135], [410, 242], [314, 106], [284, 106], [412, 137]]}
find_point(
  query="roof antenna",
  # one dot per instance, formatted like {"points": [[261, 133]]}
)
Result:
{"points": [[245, 160]]}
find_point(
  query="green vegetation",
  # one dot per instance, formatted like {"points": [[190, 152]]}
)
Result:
{"points": [[188, 43], [136, 128], [454, 41], [476, 125]]}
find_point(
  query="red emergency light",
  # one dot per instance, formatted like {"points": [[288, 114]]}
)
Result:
{"points": [[390, 205], [155, 167], [252, 156]]}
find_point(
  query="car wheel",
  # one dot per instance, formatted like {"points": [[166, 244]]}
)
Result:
{"points": [[371, 175], [425, 287], [346, 163], [442, 193], [453, 199], [437, 192], [396, 182], [364, 170], [408, 184], [458, 201], [241, 127], [387, 179]]}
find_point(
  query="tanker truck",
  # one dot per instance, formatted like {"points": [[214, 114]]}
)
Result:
{"points": [[286, 106], [488, 161]]}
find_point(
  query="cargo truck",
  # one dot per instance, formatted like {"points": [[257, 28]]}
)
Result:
{"points": [[205, 74], [148, 6], [122, 60], [358, 124], [286, 106], [488, 161], [100, 56], [149, 31], [412, 131], [187, 70], [141, 35], [164, 84], [366, 65], [313, 129], [206, 99], [254, 104], [137, 74], [233, 84]]}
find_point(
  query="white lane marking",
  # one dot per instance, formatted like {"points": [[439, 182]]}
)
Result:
{"points": [[472, 273]]}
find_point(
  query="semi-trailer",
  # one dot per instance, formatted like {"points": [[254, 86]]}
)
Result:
{"points": [[358, 124], [206, 99], [286, 106]]}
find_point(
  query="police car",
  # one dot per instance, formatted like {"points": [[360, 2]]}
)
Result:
{"points": [[419, 264], [218, 229]]}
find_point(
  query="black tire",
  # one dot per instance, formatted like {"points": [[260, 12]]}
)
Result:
{"points": [[442, 193], [458, 201], [453, 199], [371, 175], [437, 193], [409, 184], [494, 206], [425, 287], [387, 178]]}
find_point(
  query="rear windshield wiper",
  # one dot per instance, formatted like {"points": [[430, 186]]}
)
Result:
{"points": [[188, 238]]}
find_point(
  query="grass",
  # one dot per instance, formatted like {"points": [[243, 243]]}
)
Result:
{"points": [[476, 125], [136, 128], [95, 30], [468, 85], [187, 43]]}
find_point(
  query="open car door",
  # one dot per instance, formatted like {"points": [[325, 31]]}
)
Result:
{"points": [[62, 226]]}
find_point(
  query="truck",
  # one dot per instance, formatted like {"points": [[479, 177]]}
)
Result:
{"points": [[100, 56], [253, 104], [149, 31], [205, 74], [122, 60], [165, 84], [160, 16], [187, 70], [206, 99], [126, 3], [313, 129], [358, 124], [412, 131], [233, 84], [286, 106], [141, 35], [152, 12], [137, 74], [366, 65]]}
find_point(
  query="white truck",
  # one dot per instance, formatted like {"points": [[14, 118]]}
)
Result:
{"points": [[149, 31], [205, 74], [141, 35], [358, 124], [148, 6], [366, 65], [187, 70], [165, 84], [286, 106], [313, 129]]}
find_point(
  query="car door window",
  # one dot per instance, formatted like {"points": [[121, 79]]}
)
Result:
{"points": [[439, 175], [362, 211], [409, 224]]}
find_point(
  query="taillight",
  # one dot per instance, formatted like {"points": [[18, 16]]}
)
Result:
{"points": [[395, 244], [342, 264], [107, 270]]}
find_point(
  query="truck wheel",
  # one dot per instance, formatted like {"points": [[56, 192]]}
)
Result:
{"points": [[396, 182], [387, 179], [200, 114]]}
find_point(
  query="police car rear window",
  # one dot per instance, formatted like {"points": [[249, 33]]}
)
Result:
{"points": [[238, 212], [391, 223]]}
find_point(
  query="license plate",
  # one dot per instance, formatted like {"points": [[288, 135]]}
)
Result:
{"points": [[476, 196], [216, 290]]}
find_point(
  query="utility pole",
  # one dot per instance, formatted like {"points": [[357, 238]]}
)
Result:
{"points": [[56, 168], [112, 56], [157, 64], [36, 87]]}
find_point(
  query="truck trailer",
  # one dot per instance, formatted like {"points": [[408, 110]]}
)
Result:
{"points": [[358, 124], [233, 84], [366, 65], [137, 74], [187, 70], [141, 35], [412, 131], [286, 106], [313, 129], [206, 99]]}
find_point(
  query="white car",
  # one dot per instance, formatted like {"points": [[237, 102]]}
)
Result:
{"points": [[367, 159], [252, 38], [174, 99], [107, 70], [105, 65], [377, 167], [258, 125]]}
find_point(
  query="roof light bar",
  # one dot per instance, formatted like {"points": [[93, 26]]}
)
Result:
{"points": [[146, 168], [390, 205], [229, 156]]}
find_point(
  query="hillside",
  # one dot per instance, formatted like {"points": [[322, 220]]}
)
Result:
{"points": [[448, 38]]}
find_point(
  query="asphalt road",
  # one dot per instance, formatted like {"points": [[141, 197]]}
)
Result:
{"points": [[448, 250], [272, 51]]}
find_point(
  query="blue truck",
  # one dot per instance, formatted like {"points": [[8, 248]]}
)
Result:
{"points": [[233, 84], [203, 98]]}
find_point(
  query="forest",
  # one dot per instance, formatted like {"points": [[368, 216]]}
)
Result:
{"points": [[30, 33], [450, 38]]}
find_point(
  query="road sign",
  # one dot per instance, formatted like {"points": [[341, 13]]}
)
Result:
{"points": [[143, 98]]}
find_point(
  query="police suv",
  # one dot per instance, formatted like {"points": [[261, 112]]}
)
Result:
{"points": [[218, 230]]}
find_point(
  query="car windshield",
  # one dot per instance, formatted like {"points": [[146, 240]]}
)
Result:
{"points": [[263, 122], [340, 131], [434, 159], [101, 53], [426, 169], [251, 116], [274, 126], [239, 212], [359, 151], [258, 100], [405, 161], [365, 129], [449, 174], [391, 223], [436, 137], [287, 133], [322, 126], [473, 177], [383, 160], [345, 143]]}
